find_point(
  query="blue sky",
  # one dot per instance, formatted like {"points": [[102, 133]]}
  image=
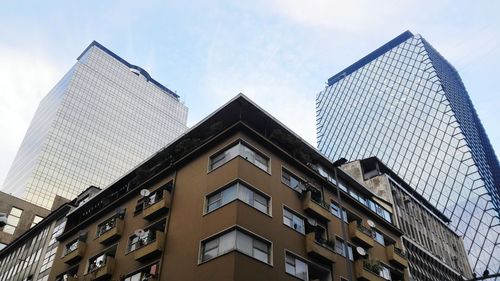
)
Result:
{"points": [[278, 52]]}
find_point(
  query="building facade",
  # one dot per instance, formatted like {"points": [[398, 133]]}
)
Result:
{"points": [[237, 197], [104, 117], [21, 216], [30, 256], [405, 104], [435, 252]]}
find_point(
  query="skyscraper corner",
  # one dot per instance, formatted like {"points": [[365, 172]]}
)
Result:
{"points": [[102, 118], [407, 105]]}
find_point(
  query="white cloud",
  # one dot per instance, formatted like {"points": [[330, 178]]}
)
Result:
{"points": [[25, 77]]}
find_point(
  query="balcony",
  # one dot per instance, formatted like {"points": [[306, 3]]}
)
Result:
{"points": [[66, 277], [156, 204], [75, 253], [361, 234], [104, 271], [110, 230], [313, 206], [362, 272], [150, 246], [319, 250], [396, 256]]}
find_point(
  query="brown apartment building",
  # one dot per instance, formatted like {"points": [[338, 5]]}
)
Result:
{"points": [[237, 197]]}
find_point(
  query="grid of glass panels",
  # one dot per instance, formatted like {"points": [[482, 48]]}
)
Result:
{"points": [[409, 108], [100, 121], [23, 262]]}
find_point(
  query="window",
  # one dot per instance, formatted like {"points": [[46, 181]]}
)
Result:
{"points": [[379, 237], [36, 220], [293, 221], [243, 150], [236, 240], [385, 272], [335, 210], [147, 273], [70, 247], [292, 181], [340, 246], [296, 267], [2, 245], [241, 192], [12, 220]]}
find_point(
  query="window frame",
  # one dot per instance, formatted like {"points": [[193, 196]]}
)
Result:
{"points": [[295, 213], [241, 143], [236, 229], [292, 174], [301, 259], [236, 184]]}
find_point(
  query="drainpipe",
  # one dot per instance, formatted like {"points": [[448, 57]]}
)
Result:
{"points": [[343, 224], [166, 226]]}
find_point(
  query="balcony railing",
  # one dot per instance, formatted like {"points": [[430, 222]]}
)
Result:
{"points": [[319, 248], [363, 271], [148, 246], [396, 256], [361, 234], [400, 252], [110, 230], [156, 204], [318, 208], [73, 252], [101, 267], [365, 230]]}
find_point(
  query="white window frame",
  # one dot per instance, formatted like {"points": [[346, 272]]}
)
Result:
{"points": [[235, 244], [245, 151], [239, 185], [296, 215], [291, 261]]}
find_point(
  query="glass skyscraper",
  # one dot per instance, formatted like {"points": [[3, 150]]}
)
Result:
{"points": [[407, 105], [104, 117]]}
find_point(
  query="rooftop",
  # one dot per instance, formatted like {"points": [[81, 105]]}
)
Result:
{"points": [[134, 68], [370, 57]]}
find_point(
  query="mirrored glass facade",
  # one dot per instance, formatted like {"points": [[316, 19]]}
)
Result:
{"points": [[103, 118], [405, 104]]}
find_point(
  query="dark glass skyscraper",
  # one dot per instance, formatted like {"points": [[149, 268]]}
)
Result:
{"points": [[104, 117], [407, 105]]}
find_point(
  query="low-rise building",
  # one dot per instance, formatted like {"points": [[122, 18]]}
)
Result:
{"points": [[237, 197], [434, 250], [20, 216], [30, 256]]}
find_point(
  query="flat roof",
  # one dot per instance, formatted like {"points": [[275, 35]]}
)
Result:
{"points": [[370, 57], [130, 66]]}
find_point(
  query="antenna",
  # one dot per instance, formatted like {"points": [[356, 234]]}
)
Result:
{"points": [[139, 232], [361, 251], [145, 192], [370, 223]]}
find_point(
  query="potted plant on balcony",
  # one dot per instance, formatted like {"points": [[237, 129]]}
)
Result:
{"points": [[373, 266]]}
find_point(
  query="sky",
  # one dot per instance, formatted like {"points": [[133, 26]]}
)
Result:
{"points": [[279, 53]]}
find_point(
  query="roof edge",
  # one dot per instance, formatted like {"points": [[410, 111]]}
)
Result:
{"points": [[370, 57], [129, 65]]}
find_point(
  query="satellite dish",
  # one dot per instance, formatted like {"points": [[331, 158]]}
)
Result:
{"points": [[370, 223], [361, 251], [139, 232], [145, 192]]}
